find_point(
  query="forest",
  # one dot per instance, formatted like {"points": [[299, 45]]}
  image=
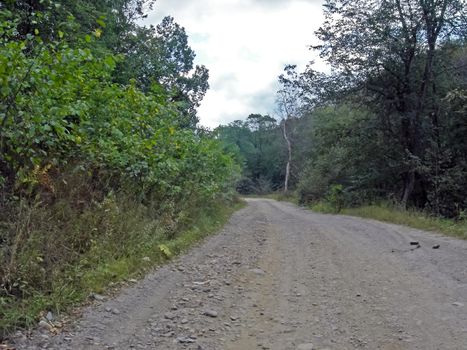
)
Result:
{"points": [[387, 123], [105, 170], [102, 160]]}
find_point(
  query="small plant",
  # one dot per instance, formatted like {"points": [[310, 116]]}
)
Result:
{"points": [[166, 251], [323, 207], [463, 215], [335, 197]]}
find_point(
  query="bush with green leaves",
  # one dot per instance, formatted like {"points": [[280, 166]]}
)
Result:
{"points": [[77, 149], [62, 108]]}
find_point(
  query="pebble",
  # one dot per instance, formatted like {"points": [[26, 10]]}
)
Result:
{"points": [[98, 297], [49, 316], [186, 340], [170, 316], [258, 272], [210, 313], [203, 309], [44, 325]]}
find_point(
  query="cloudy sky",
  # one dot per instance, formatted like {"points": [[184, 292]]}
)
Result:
{"points": [[245, 45]]}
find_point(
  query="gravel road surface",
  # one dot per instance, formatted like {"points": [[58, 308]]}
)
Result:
{"points": [[280, 277]]}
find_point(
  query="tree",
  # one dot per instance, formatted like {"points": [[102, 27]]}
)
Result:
{"points": [[389, 51], [49, 16], [288, 106], [158, 58], [256, 143], [78, 149], [161, 55]]}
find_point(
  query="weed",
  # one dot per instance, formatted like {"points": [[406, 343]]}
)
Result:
{"points": [[64, 255], [411, 218]]}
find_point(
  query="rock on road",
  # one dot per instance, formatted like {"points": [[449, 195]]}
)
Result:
{"points": [[281, 277]]}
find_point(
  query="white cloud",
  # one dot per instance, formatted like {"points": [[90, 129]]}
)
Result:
{"points": [[245, 45]]}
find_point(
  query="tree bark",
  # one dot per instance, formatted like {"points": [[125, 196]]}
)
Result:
{"points": [[433, 27], [289, 158], [409, 184]]}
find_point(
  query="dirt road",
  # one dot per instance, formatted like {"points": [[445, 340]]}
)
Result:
{"points": [[281, 277]]}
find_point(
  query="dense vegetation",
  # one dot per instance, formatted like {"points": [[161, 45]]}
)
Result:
{"points": [[101, 161], [104, 170], [388, 123]]}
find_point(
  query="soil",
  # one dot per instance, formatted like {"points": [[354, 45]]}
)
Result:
{"points": [[281, 277]]}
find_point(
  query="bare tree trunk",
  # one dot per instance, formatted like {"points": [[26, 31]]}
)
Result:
{"points": [[409, 184], [289, 158]]}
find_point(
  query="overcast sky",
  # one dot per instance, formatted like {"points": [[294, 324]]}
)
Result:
{"points": [[245, 45]]}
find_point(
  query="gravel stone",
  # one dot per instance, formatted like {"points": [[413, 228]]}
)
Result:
{"points": [[316, 266]]}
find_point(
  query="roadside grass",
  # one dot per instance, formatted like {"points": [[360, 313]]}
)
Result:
{"points": [[384, 212], [278, 196], [145, 243], [411, 218], [323, 207], [392, 214]]}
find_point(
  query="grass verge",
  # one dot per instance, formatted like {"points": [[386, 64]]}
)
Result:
{"points": [[394, 215], [134, 245], [411, 218], [278, 196]]}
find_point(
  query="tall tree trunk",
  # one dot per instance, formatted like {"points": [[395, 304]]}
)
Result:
{"points": [[409, 184], [433, 27], [289, 158]]}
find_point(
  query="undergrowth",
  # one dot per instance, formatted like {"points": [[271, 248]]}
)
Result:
{"points": [[99, 180], [278, 196], [393, 214], [61, 255], [411, 218], [383, 212]]}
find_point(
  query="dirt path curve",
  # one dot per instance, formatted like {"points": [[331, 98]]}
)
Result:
{"points": [[280, 277]]}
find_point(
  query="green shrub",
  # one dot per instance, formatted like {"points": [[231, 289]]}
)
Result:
{"points": [[93, 174], [335, 197]]}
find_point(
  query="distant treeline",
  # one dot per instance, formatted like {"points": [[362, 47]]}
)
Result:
{"points": [[388, 123]]}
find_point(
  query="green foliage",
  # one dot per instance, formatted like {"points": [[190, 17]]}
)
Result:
{"points": [[413, 218], [161, 55], [343, 142], [388, 212], [389, 122], [323, 207], [257, 144], [335, 197], [130, 136], [165, 250], [403, 61], [95, 175], [148, 55], [65, 255]]}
